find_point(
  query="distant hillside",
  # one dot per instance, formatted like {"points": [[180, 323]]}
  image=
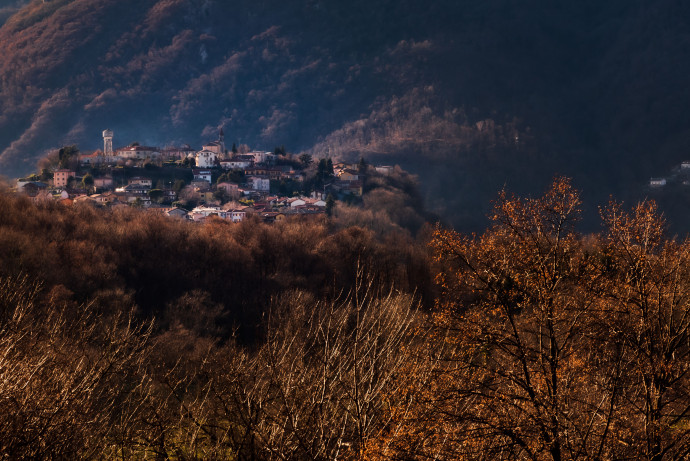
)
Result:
{"points": [[470, 95], [9, 7]]}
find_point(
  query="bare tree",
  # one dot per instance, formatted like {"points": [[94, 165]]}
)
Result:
{"points": [[647, 298], [332, 381], [526, 375], [65, 372]]}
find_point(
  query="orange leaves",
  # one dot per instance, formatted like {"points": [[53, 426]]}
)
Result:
{"points": [[548, 216], [565, 345], [513, 305], [530, 249], [638, 232]]}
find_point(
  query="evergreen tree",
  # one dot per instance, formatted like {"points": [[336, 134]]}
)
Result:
{"points": [[330, 205], [156, 195], [179, 185], [306, 160], [363, 165], [45, 175], [66, 154]]}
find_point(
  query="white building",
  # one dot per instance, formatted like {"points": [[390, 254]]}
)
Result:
{"points": [[202, 175], [384, 169], [206, 159], [235, 164], [147, 182], [260, 184], [237, 215], [202, 212], [295, 202], [263, 157]]}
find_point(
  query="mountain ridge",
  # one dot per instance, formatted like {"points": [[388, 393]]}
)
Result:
{"points": [[592, 91]]}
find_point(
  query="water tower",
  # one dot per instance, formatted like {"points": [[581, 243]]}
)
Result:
{"points": [[108, 142]]}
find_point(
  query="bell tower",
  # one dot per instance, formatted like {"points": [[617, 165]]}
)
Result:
{"points": [[108, 142]]}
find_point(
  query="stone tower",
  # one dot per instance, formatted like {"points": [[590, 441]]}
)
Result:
{"points": [[108, 142], [221, 140]]}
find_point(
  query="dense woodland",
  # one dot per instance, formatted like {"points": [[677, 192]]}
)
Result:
{"points": [[129, 335]]}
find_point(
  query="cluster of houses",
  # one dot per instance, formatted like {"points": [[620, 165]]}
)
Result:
{"points": [[224, 198], [212, 155], [271, 209]]}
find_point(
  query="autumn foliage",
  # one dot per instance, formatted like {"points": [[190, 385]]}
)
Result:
{"points": [[562, 346], [542, 343]]}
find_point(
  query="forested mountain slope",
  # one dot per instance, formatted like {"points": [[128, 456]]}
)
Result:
{"points": [[472, 94]]}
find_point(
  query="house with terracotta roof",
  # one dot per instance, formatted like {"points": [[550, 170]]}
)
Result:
{"points": [[97, 158]]}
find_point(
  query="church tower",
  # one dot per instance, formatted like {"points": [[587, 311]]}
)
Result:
{"points": [[221, 140], [108, 142]]}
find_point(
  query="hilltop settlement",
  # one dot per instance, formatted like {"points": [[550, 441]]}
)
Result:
{"points": [[183, 182]]}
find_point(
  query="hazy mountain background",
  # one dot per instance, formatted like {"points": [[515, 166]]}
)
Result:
{"points": [[471, 96]]}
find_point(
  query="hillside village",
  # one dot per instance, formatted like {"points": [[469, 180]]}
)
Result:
{"points": [[183, 182]]}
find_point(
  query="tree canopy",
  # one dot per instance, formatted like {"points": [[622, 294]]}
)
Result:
{"points": [[565, 346]]}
